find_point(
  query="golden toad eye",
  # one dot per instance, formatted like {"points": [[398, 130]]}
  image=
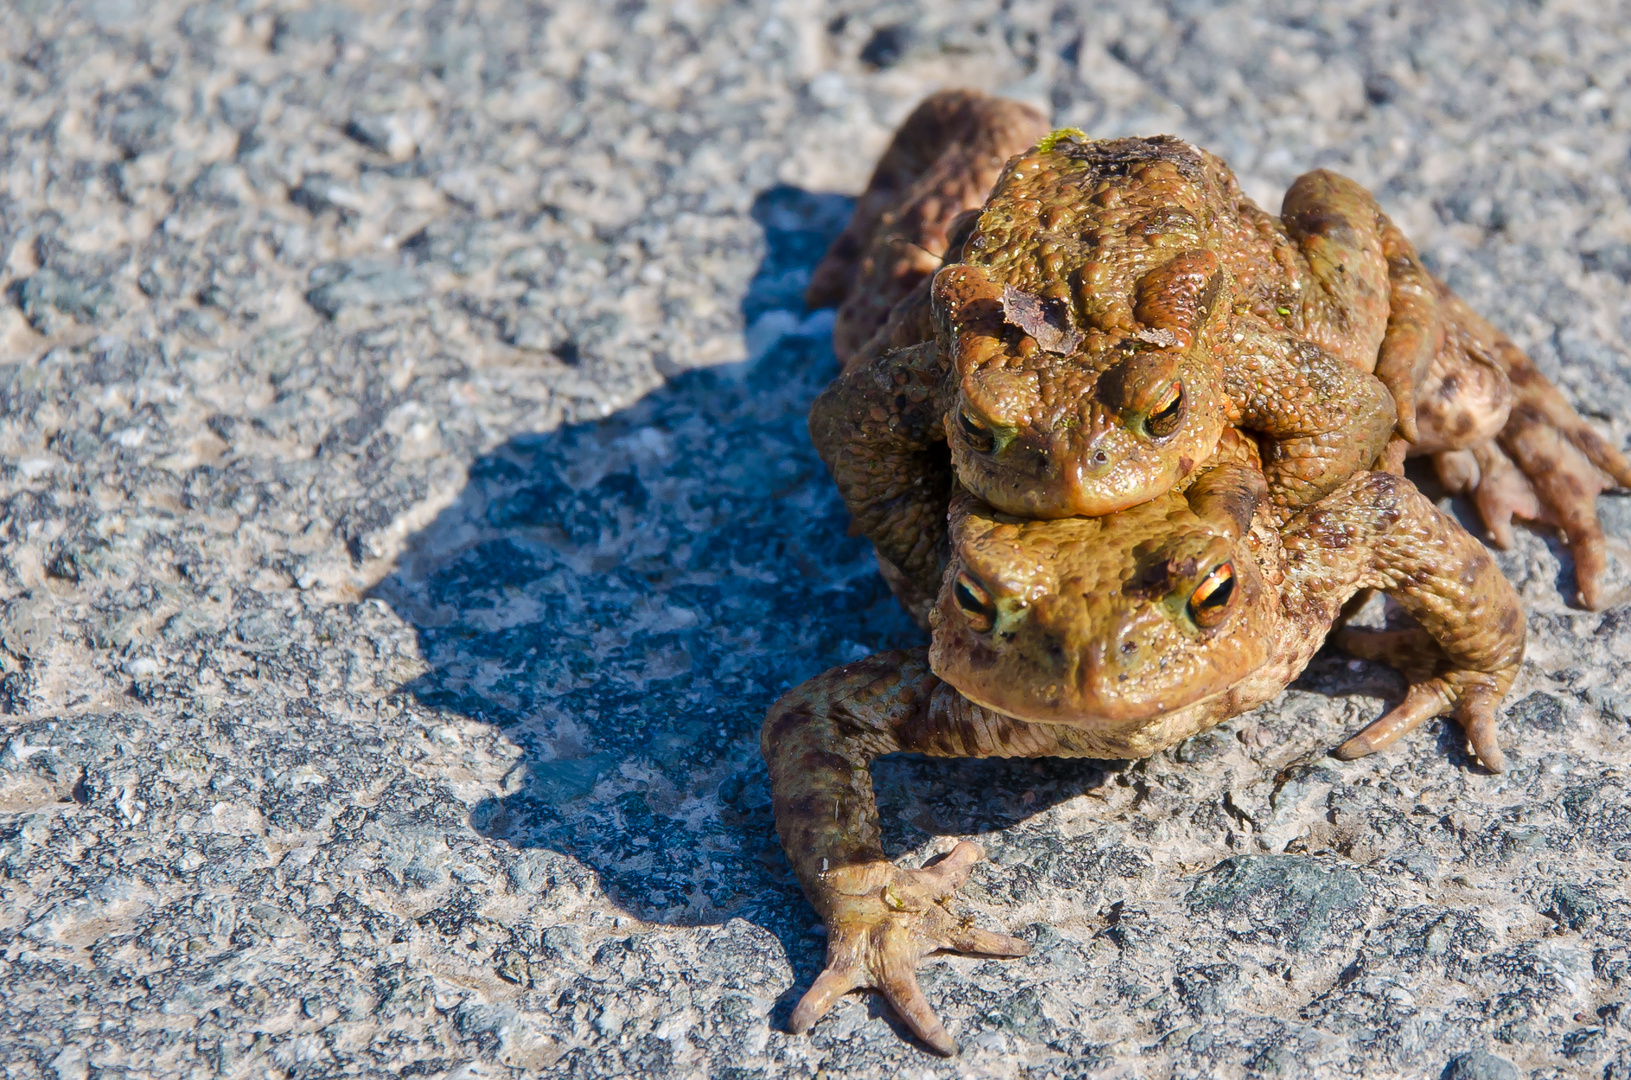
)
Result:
{"points": [[978, 435], [1209, 603], [974, 602], [1167, 413]]}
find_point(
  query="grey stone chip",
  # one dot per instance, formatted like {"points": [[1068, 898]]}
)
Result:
{"points": [[407, 515]]}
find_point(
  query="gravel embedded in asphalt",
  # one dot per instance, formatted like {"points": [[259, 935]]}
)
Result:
{"points": [[408, 516]]}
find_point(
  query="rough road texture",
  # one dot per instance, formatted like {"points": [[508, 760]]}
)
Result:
{"points": [[408, 516]]}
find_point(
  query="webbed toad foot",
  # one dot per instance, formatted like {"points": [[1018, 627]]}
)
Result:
{"points": [[1539, 471], [882, 920], [1470, 695], [1546, 463]]}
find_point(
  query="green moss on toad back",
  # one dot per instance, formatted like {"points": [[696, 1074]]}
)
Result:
{"points": [[1052, 138]]}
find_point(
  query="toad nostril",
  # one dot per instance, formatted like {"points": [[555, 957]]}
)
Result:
{"points": [[1126, 646]]}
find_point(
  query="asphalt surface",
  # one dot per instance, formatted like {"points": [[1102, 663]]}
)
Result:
{"points": [[408, 515]]}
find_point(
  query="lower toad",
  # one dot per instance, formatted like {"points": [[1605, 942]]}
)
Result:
{"points": [[1112, 637]]}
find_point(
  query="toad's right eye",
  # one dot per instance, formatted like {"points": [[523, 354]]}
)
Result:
{"points": [[1209, 603], [1167, 414], [974, 602], [978, 435]]}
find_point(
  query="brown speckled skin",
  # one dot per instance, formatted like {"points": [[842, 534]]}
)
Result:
{"points": [[1093, 624], [1162, 272], [1299, 308], [943, 160], [1545, 463], [1079, 662]]}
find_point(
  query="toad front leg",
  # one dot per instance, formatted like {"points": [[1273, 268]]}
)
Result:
{"points": [[1376, 305], [878, 428], [1322, 419], [819, 741], [1379, 532]]}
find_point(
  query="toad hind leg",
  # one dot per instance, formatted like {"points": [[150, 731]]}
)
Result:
{"points": [[819, 741], [1465, 398], [1547, 463], [1414, 326], [943, 160], [1335, 224]]}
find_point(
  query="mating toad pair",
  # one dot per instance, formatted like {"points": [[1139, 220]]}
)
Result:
{"points": [[1128, 445]]}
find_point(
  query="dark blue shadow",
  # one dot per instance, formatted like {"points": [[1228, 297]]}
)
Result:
{"points": [[625, 599]]}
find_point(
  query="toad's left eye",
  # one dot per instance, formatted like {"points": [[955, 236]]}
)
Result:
{"points": [[1167, 414], [978, 434], [1210, 601], [974, 601]]}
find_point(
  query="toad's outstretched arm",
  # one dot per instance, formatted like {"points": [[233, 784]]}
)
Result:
{"points": [[819, 741], [1380, 532]]}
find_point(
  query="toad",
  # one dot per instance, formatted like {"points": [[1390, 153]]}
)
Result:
{"points": [[1112, 306], [1113, 637]]}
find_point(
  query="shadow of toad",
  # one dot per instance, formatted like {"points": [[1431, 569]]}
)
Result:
{"points": [[625, 599]]}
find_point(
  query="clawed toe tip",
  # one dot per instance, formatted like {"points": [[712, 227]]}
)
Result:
{"points": [[1012, 948], [938, 1039], [1352, 750]]}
